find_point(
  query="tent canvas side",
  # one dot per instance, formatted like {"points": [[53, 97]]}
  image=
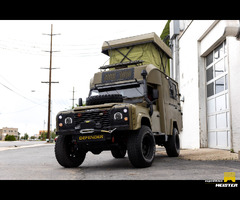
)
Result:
{"points": [[147, 47]]}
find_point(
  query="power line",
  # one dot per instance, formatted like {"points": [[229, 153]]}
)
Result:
{"points": [[34, 48], [23, 110], [69, 50], [35, 44], [20, 94]]}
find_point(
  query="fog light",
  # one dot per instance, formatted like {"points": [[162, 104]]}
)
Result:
{"points": [[60, 124], [125, 118]]}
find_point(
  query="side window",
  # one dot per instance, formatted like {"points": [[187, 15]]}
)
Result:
{"points": [[173, 89], [150, 92]]}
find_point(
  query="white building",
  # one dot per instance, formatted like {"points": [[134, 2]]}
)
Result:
{"points": [[206, 63]]}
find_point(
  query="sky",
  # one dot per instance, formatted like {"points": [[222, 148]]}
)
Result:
{"points": [[23, 98]]}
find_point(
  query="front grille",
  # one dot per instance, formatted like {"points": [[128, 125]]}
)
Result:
{"points": [[98, 116]]}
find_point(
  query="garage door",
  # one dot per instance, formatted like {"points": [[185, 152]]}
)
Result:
{"points": [[218, 121]]}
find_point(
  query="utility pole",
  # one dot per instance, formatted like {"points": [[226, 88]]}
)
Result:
{"points": [[50, 81], [73, 98]]}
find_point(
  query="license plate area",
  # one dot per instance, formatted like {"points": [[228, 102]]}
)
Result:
{"points": [[91, 138]]}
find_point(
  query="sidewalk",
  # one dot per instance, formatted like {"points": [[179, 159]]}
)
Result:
{"points": [[204, 154]]}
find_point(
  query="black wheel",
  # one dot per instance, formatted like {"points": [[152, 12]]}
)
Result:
{"points": [[118, 152], [141, 147], [107, 98], [172, 146], [66, 154]]}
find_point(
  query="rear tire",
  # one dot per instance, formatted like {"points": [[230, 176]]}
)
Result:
{"points": [[65, 153], [172, 146], [118, 152], [141, 147]]}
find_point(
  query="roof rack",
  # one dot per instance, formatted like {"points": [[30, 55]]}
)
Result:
{"points": [[122, 65]]}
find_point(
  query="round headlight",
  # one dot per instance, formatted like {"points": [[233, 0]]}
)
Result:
{"points": [[60, 117], [68, 120], [117, 116]]}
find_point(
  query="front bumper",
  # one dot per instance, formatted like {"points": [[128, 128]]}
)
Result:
{"points": [[93, 121], [92, 131]]}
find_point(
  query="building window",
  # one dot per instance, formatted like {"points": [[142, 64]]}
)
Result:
{"points": [[219, 85], [210, 90], [216, 70]]}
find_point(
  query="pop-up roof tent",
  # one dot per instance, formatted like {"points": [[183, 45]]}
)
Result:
{"points": [[146, 48]]}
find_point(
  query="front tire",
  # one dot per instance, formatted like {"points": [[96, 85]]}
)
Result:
{"points": [[66, 154], [141, 147]]}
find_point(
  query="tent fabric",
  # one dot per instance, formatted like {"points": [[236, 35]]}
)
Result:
{"points": [[147, 52], [136, 40], [147, 47]]}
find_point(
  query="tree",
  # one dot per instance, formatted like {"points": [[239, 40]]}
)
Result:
{"points": [[165, 33], [25, 137], [10, 138], [165, 36], [19, 135], [33, 137], [43, 136]]}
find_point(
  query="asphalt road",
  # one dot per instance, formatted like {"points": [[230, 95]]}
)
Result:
{"points": [[38, 162]]}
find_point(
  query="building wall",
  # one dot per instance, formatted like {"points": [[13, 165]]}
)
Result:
{"points": [[195, 42], [189, 82], [216, 34], [234, 74]]}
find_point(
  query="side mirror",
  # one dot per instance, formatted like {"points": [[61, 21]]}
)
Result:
{"points": [[182, 99], [80, 102], [144, 73], [155, 94]]}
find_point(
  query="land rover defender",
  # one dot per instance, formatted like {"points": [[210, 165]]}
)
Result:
{"points": [[132, 107]]}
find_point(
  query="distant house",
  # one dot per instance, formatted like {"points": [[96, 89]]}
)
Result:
{"points": [[10, 131]]}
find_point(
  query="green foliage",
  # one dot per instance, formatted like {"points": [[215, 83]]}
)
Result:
{"points": [[26, 136], [43, 136], [10, 138], [32, 137], [166, 33]]}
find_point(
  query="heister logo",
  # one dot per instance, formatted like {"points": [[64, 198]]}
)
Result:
{"points": [[228, 177], [229, 180]]}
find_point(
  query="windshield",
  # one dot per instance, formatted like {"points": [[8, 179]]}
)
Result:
{"points": [[126, 90]]}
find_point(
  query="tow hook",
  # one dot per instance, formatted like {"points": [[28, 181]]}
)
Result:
{"points": [[87, 131]]}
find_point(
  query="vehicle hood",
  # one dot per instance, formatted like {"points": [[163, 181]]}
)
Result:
{"points": [[105, 105]]}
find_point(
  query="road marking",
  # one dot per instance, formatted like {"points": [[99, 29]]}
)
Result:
{"points": [[21, 147]]}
